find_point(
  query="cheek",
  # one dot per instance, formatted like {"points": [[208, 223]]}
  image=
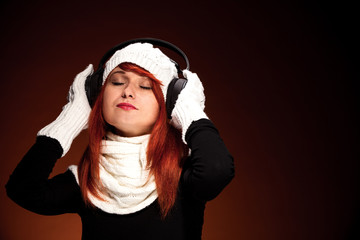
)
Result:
{"points": [[105, 112], [106, 104], [153, 108]]}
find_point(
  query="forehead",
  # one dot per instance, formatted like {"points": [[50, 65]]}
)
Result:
{"points": [[119, 72]]}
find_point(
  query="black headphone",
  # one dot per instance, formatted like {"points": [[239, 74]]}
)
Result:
{"points": [[93, 82]]}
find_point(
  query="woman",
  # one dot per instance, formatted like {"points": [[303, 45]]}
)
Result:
{"points": [[142, 175]]}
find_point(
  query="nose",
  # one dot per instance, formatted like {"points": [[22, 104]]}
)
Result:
{"points": [[128, 91]]}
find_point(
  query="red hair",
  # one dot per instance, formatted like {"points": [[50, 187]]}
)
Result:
{"points": [[165, 150]]}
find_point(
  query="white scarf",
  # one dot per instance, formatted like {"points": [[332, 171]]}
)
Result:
{"points": [[128, 187]]}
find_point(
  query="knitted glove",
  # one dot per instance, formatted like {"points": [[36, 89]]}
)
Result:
{"points": [[74, 116], [190, 104]]}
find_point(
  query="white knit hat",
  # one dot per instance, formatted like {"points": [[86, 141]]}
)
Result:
{"points": [[147, 57]]}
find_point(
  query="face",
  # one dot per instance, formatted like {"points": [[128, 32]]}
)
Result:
{"points": [[129, 103]]}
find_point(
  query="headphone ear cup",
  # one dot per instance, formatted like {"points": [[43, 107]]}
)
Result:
{"points": [[172, 94], [88, 88], [93, 85]]}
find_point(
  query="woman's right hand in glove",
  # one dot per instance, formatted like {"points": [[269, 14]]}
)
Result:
{"points": [[74, 116]]}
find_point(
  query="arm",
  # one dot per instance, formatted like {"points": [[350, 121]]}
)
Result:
{"points": [[29, 185], [210, 167]]}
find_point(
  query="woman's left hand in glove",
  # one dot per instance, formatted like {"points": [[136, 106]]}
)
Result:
{"points": [[190, 104]]}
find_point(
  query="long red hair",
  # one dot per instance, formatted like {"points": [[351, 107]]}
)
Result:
{"points": [[165, 152]]}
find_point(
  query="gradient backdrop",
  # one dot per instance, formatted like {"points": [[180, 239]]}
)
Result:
{"points": [[281, 86]]}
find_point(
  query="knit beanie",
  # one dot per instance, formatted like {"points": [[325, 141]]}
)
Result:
{"points": [[148, 57]]}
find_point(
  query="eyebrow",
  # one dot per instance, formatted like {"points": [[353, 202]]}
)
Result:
{"points": [[118, 71], [143, 78]]}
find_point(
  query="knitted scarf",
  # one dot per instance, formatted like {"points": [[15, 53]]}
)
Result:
{"points": [[127, 185]]}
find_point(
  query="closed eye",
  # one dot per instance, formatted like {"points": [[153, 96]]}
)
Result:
{"points": [[144, 87], [117, 83]]}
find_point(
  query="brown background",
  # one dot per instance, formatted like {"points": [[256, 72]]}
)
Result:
{"points": [[280, 87]]}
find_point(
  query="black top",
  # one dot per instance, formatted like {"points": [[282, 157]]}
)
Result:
{"points": [[206, 172]]}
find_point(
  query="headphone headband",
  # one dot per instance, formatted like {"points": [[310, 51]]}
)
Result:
{"points": [[154, 41]]}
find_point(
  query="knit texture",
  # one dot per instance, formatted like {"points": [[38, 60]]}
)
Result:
{"points": [[147, 57], [190, 104], [74, 116], [127, 185]]}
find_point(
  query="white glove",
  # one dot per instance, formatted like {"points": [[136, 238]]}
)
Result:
{"points": [[74, 116], [190, 104]]}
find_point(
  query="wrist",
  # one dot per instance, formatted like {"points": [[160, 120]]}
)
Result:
{"points": [[72, 120], [184, 115]]}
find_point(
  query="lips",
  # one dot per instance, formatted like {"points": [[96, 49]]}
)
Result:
{"points": [[126, 106]]}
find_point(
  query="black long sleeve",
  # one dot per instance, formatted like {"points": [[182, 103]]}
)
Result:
{"points": [[30, 187], [210, 167]]}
